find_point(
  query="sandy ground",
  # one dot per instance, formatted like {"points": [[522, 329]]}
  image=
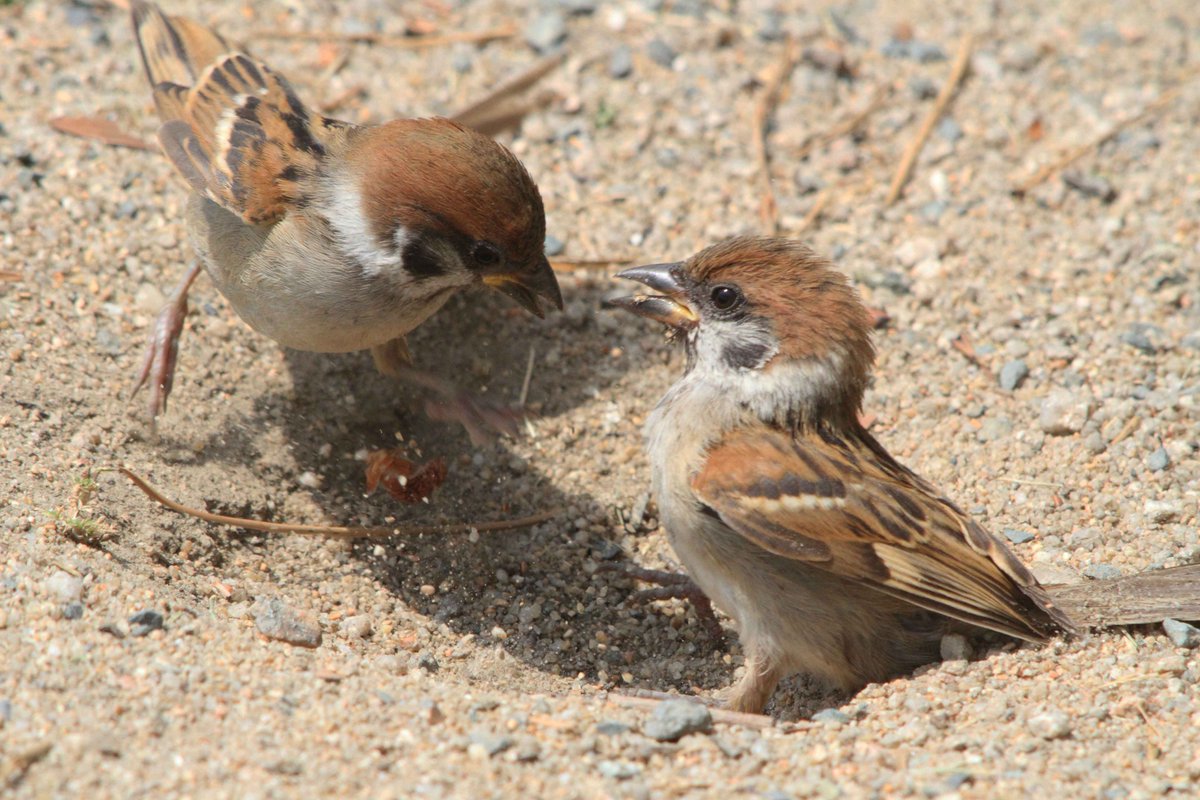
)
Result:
{"points": [[476, 666]]}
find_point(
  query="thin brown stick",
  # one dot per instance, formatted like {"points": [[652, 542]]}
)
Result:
{"points": [[843, 128], [485, 106], [818, 207], [957, 72], [392, 40], [769, 207], [720, 715], [11, 275], [344, 532], [1071, 156]]}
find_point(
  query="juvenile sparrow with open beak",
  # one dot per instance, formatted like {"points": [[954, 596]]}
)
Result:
{"points": [[833, 559], [323, 235]]}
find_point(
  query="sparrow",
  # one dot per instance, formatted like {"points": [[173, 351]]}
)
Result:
{"points": [[832, 558], [324, 235]]}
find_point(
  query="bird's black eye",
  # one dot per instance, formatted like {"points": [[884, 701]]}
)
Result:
{"points": [[725, 297], [485, 254]]}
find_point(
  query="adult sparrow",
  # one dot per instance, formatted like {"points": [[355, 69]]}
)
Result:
{"points": [[833, 559], [323, 235]]}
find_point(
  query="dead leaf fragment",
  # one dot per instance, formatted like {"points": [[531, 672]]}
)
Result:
{"points": [[403, 479]]}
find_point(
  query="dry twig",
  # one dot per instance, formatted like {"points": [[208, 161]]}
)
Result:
{"points": [[487, 108], [957, 72], [344, 532], [588, 265], [392, 40], [843, 128], [719, 715], [1071, 156], [769, 207]]}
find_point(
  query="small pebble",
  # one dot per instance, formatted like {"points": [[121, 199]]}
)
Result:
{"points": [[1161, 511], [618, 770], [620, 63], [955, 647], [1063, 412], [1144, 337], [1018, 536], [673, 719], [1013, 374], [277, 620], [660, 52], [1101, 572], [143, 622], [1159, 460], [65, 587], [489, 744], [546, 31], [1090, 184], [832, 716], [356, 627], [554, 246], [1182, 634], [72, 611], [1050, 725]]}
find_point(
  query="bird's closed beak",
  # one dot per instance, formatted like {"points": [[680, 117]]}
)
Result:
{"points": [[669, 307], [526, 288]]}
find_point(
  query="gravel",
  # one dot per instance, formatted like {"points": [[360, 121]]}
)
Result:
{"points": [[643, 168], [1013, 374], [277, 620]]}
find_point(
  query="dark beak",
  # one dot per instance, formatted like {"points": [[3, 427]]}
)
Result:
{"points": [[526, 288], [669, 307]]}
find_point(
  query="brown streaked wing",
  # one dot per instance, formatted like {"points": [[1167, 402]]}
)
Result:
{"points": [[841, 503], [263, 145]]}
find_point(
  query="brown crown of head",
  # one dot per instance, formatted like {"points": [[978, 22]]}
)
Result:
{"points": [[439, 175], [813, 310]]}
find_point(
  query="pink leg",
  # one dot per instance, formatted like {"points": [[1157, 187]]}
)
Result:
{"points": [[158, 365], [671, 585], [483, 418]]}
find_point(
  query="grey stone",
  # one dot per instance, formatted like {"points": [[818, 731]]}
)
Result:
{"points": [[949, 130], [1063, 412], [577, 7], [673, 719], [1159, 460], [955, 647], [914, 50], [277, 620], [660, 52], [620, 63], [554, 246], [1161, 511], [491, 744], [609, 727], [145, 621], [832, 716], [1013, 374], [1144, 337], [770, 26], [546, 31], [1017, 536], [1050, 724], [1181, 634], [356, 627], [618, 770], [72, 611], [994, 429], [1101, 572]]}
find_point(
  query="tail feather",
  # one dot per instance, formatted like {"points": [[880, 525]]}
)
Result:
{"points": [[175, 50]]}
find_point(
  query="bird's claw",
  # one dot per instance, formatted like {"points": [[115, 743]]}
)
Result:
{"points": [[673, 585]]}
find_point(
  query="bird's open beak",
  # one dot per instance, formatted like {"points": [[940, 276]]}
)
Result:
{"points": [[670, 307], [527, 288]]}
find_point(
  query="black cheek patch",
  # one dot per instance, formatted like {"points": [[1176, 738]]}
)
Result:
{"points": [[745, 355], [421, 261]]}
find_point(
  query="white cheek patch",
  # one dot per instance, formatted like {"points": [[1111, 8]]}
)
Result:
{"points": [[353, 231]]}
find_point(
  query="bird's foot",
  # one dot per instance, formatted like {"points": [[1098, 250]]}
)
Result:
{"points": [[673, 585], [162, 349], [482, 417]]}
